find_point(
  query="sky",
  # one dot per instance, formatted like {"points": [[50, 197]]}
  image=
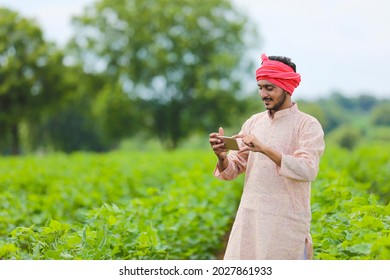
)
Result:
{"points": [[337, 45]]}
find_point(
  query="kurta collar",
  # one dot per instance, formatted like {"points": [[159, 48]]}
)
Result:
{"points": [[284, 112]]}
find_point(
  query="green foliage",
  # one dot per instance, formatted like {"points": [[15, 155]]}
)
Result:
{"points": [[30, 75], [115, 114], [180, 59], [70, 125], [114, 81], [159, 205], [348, 221], [340, 111], [366, 102], [370, 165], [137, 205], [379, 134], [346, 136], [381, 115]]}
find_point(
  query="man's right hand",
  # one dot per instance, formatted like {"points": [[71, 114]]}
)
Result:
{"points": [[218, 148]]}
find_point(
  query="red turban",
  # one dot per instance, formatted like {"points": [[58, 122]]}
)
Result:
{"points": [[278, 73]]}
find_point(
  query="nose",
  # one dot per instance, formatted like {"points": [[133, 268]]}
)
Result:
{"points": [[263, 93]]}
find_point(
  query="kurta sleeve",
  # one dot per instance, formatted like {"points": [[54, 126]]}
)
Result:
{"points": [[236, 166], [303, 164]]}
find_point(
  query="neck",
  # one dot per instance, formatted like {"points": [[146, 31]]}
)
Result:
{"points": [[287, 103]]}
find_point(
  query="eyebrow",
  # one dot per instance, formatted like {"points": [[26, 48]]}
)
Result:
{"points": [[265, 85]]}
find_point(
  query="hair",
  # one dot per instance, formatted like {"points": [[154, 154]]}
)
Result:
{"points": [[285, 60]]}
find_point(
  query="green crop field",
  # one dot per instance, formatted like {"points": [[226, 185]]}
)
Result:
{"points": [[350, 204], [114, 206], [167, 205]]}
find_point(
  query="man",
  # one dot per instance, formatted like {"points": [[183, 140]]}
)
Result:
{"points": [[280, 151]]}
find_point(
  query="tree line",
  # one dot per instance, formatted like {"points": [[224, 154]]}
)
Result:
{"points": [[132, 68]]}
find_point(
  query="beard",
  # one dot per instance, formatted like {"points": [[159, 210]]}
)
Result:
{"points": [[279, 102]]}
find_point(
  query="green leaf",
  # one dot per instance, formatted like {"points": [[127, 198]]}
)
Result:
{"points": [[362, 249]]}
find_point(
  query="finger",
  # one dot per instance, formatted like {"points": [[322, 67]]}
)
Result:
{"points": [[214, 140], [220, 131], [249, 144], [219, 147], [245, 149], [239, 136], [248, 141]]}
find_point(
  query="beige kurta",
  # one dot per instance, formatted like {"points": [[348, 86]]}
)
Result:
{"points": [[273, 218]]}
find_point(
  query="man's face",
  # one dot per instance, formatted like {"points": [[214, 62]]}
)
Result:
{"points": [[273, 96]]}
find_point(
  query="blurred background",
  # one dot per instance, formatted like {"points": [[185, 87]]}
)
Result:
{"points": [[103, 75]]}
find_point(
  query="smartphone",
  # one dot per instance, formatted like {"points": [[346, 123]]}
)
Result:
{"points": [[230, 143]]}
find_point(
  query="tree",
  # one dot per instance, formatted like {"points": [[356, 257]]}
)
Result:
{"points": [[366, 102], [30, 74], [173, 55], [71, 125], [344, 102], [381, 114], [115, 115], [346, 136]]}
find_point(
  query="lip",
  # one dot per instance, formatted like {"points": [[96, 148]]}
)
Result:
{"points": [[267, 101]]}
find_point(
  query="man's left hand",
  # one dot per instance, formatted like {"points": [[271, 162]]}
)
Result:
{"points": [[251, 143]]}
